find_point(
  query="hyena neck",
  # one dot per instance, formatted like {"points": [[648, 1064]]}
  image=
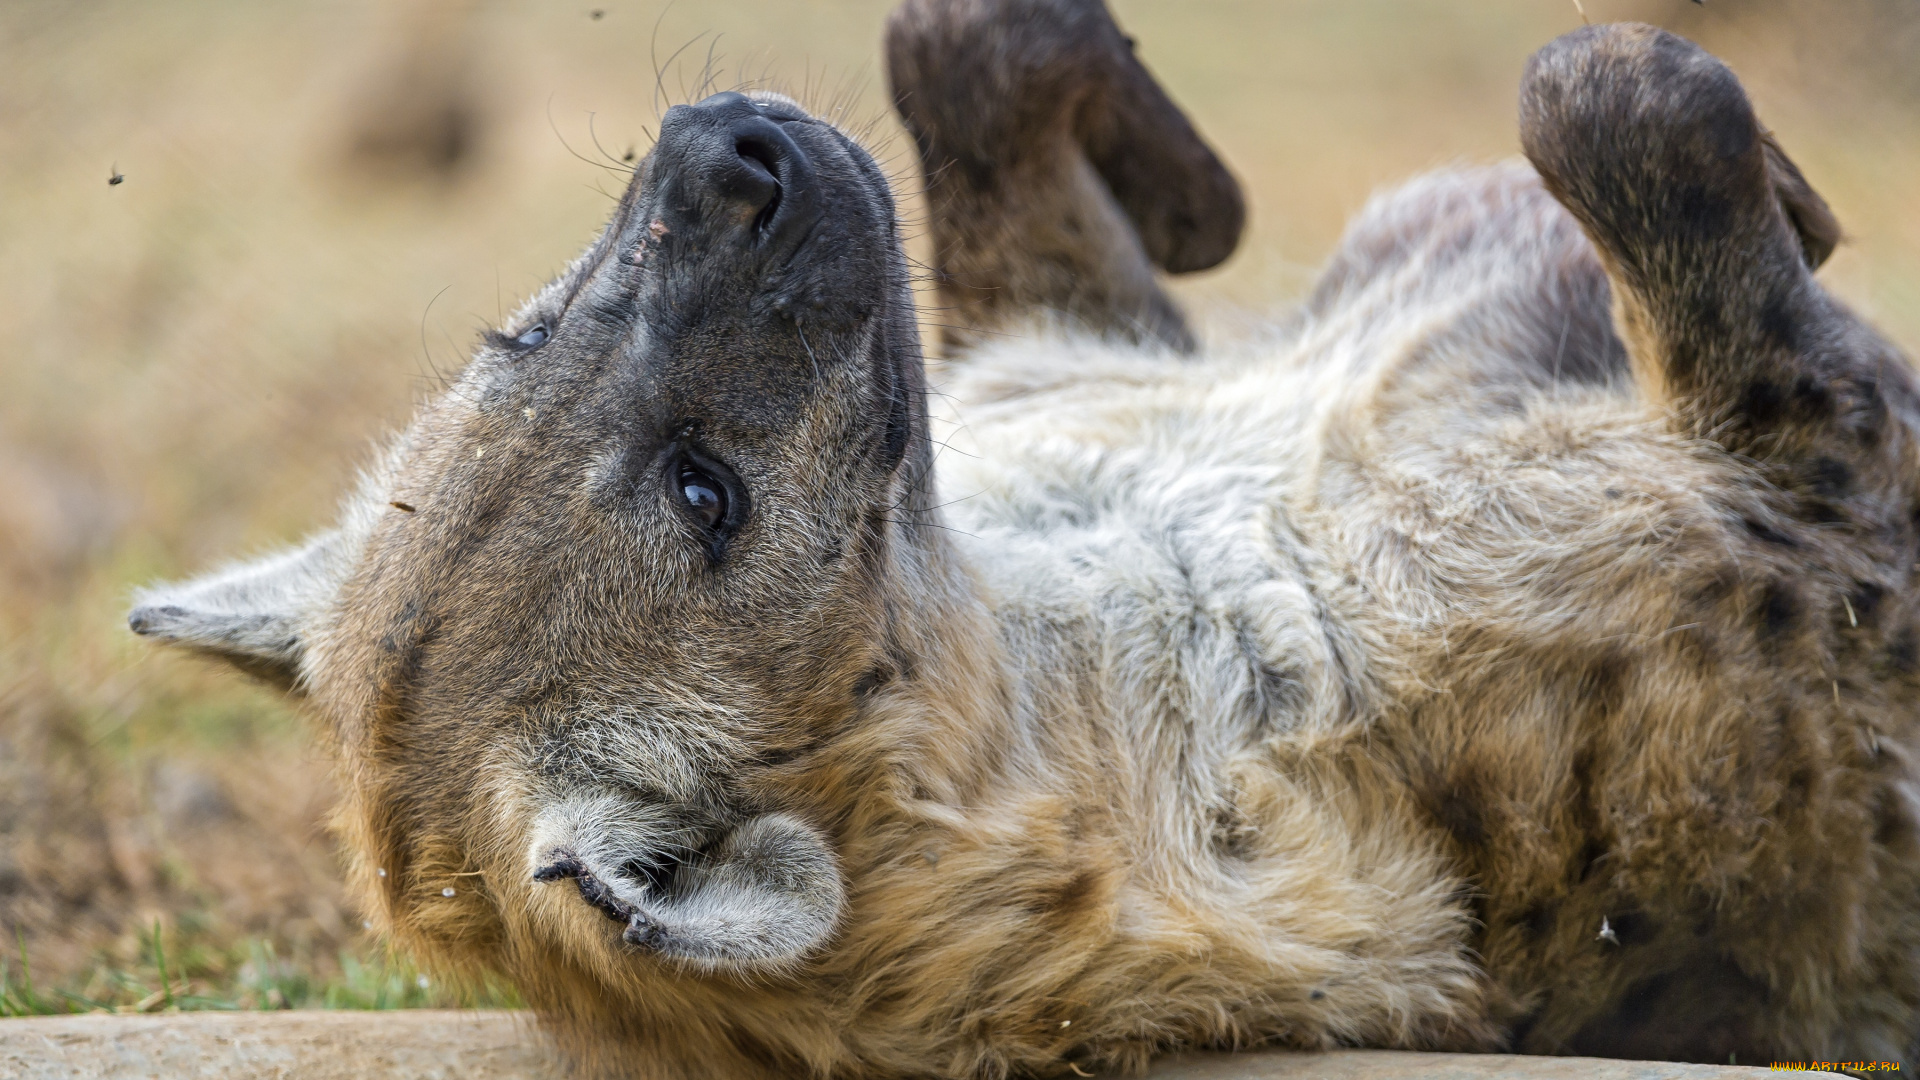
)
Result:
{"points": [[993, 709], [947, 724]]}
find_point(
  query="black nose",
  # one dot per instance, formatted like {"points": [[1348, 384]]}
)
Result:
{"points": [[733, 165]]}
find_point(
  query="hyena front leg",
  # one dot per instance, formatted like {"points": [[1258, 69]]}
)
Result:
{"points": [[1059, 175], [1710, 237]]}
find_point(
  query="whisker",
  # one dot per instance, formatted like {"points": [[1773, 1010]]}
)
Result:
{"points": [[555, 128]]}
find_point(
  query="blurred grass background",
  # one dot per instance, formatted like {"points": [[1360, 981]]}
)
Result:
{"points": [[323, 202]]}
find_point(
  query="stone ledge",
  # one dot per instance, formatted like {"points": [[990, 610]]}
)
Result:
{"points": [[456, 1045]]}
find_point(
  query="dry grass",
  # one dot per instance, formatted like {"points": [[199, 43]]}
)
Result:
{"points": [[323, 203]]}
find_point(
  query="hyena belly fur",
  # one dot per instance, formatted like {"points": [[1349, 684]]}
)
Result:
{"points": [[1419, 611]]}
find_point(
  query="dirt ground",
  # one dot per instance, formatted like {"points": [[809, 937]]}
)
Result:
{"points": [[428, 1044], [319, 206]]}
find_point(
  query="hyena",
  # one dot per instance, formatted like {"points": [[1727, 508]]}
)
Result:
{"points": [[1514, 649]]}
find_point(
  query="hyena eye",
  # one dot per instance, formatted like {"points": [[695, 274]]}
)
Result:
{"points": [[705, 496], [535, 335]]}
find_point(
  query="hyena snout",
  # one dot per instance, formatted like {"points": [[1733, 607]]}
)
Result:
{"points": [[737, 172]]}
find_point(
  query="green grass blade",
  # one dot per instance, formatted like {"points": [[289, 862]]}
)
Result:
{"points": [[160, 961]]}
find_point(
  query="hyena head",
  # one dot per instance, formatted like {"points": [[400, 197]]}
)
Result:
{"points": [[580, 637]]}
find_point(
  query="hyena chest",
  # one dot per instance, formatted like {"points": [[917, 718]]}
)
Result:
{"points": [[1142, 558]]}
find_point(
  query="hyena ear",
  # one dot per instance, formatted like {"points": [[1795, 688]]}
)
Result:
{"points": [[255, 615], [1809, 214], [767, 895], [1708, 231], [760, 899]]}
